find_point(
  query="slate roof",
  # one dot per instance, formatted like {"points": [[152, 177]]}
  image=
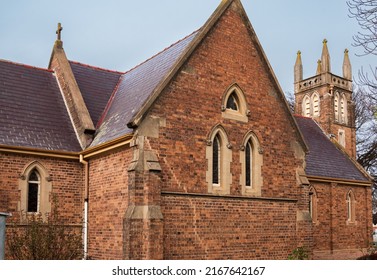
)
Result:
{"points": [[32, 110], [325, 159], [134, 88], [96, 86]]}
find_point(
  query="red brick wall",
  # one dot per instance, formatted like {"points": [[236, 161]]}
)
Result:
{"points": [[108, 201], [334, 237], [67, 184], [191, 105], [221, 228]]}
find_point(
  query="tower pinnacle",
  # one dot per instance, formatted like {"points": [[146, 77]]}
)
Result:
{"points": [[347, 69], [298, 73], [325, 58]]}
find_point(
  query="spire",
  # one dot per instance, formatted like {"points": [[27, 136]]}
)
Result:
{"points": [[347, 69], [319, 67], [298, 68], [325, 58]]}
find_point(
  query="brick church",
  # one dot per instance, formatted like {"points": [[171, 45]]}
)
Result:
{"points": [[192, 154]]}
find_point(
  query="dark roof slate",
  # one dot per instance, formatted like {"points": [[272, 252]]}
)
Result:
{"points": [[32, 110], [324, 158], [134, 89], [96, 86]]}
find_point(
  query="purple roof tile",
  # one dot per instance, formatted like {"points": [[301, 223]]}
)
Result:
{"points": [[135, 87], [324, 158], [96, 86], [32, 110]]}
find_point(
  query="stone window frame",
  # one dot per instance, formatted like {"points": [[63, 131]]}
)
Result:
{"points": [[313, 204], [315, 94], [340, 114], [342, 137], [257, 162], [225, 176], [351, 207], [306, 111], [343, 110], [308, 104], [45, 188], [36, 182], [243, 112]]}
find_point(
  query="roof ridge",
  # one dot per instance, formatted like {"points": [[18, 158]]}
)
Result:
{"points": [[109, 103], [160, 52], [27, 65], [96, 67]]}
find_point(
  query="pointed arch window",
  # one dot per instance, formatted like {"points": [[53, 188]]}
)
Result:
{"points": [[350, 201], [35, 187], [251, 159], [248, 164], [313, 204], [343, 109], [219, 157], [340, 108], [234, 105], [216, 161], [315, 99], [336, 106], [34, 192], [306, 107]]}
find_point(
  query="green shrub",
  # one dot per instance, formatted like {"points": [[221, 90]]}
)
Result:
{"points": [[300, 253]]}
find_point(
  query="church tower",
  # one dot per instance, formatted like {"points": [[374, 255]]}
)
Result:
{"points": [[327, 98]]}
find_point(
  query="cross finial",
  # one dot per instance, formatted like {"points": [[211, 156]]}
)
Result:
{"points": [[59, 31]]}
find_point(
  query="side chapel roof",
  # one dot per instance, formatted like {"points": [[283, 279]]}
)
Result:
{"points": [[32, 110], [325, 159]]}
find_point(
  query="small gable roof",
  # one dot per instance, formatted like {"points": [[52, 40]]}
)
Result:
{"points": [[96, 86], [325, 159], [32, 112]]}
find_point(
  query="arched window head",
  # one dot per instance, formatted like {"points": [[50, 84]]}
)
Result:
{"points": [[306, 107], [234, 105], [33, 193], [251, 159], [219, 156]]}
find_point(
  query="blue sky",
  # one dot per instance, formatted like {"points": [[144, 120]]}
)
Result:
{"points": [[118, 34]]}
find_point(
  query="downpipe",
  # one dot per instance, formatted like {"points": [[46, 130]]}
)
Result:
{"points": [[85, 222]]}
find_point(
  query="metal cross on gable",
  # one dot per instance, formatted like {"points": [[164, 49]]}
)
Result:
{"points": [[59, 31]]}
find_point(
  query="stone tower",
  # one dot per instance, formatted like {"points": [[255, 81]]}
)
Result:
{"points": [[327, 98]]}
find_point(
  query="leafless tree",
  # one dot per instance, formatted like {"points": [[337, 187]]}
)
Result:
{"points": [[366, 135], [290, 97], [365, 97], [365, 12]]}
